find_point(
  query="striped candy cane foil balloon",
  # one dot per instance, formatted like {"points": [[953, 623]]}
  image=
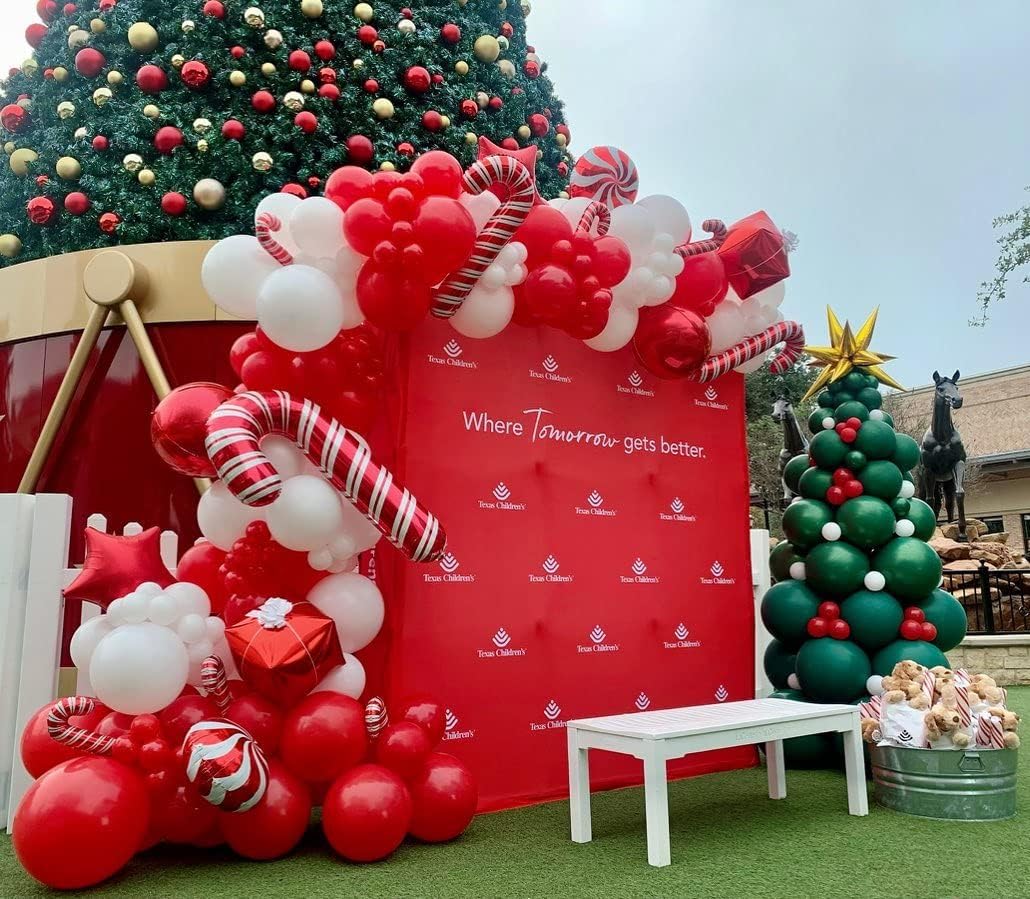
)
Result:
{"points": [[595, 212], [59, 729], [215, 682], [226, 765], [264, 226], [343, 456], [716, 228], [498, 230], [789, 333]]}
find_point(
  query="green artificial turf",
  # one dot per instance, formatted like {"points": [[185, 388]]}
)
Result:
{"points": [[728, 839]]}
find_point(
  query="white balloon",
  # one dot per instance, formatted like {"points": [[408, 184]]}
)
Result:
{"points": [[633, 224], [287, 458], [771, 296], [282, 206], [661, 289], [558, 202], [200, 650], [139, 668], [299, 308], [669, 216], [726, 324], [189, 599], [363, 534], [480, 207], [622, 323], [148, 589], [512, 254], [348, 678], [191, 628], [516, 275], [114, 613], [874, 685], [85, 639], [342, 564], [753, 364], [135, 608], [316, 224], [348, 264], [352, 314], [343, 546], [573, 210], [355, 605], [320, 559], [233, 271], [306, 515], [222, 518], [215, 628], [485, 312]]}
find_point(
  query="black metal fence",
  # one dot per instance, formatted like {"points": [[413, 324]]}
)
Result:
{"points": [[996, 601]]}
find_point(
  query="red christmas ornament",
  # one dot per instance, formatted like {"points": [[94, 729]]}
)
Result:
{"points": [[371, 85], [195, 73], [835, 496], [432, 120], [238, 52], [76, 203], [100, 143], [173, 203], [563, 168], [841, 476], [167, 139], [417, 79], [911, 630], [89, 62], [437, 78], [327, 75], [325, 50], [115, 566], [109, 222], [329, 91], [378, 46], [367, 35], [299, 61], [151, 79], [829, 610], [469, 108], [306, 121], [233, 130], [914, 613], [314, 180], [46, 10], [262, 101], [405, 149], [840, 629], [539, 124], [507, 30], [178, 427], [406, 12], [929, 631], [509, 143], [107, 5], [69, 9], [817, 627], [564, 130], [531, 68], [359, 149], [40, 210], [451, 33], [853, 488], [42, 180], [13, 118], [214, 8], [495, 103]]}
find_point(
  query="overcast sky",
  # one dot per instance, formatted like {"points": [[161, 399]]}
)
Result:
{"points": [[886, 134]]}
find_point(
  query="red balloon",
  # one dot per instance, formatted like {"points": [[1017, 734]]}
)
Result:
{"points": [[542, 229], [841, 476], [184, 816], [840, 629], [265, 370], [669, 340], [262, 720], [445, 796], [40, 752], [390, 302], [549, 293], [81, 822], [817, 627], [181, 714], [179, 426], [366, 224], [911, 630], [114, 724], [426, 712], [348, 184], [702, 285], [323, 735], [402, 747], [366, 813], [853, 488], [199, 565], [117, 565], [276, 824], [914, 613], [835, 496], [929, 631], [612, 261], [829, 610], [440, 172], [445, 231]]}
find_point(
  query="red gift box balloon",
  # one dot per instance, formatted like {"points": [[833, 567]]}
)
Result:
{"points": [[283, 649], [754, 255]]}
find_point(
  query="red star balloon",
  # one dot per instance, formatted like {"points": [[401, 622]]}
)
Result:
{"points": [[115, 566], [527, 156]]}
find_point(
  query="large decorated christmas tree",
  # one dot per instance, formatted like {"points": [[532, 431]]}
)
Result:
{"points": [[147, 120], [858, 587]]}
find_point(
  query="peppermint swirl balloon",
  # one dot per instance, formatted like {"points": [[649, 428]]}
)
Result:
{"points": [[606, 174], [376, 716], [226, 765]]}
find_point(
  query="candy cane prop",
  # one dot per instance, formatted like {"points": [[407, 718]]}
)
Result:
{"points": [[499, 229], [343, 456], [789, 333], [215, 682], [716, 228], [376, 717], [595, 212], [59, 729], [264, 226]]}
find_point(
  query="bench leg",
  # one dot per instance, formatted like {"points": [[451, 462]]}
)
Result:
{"points": [[656, 801], [579, 788], [777, 774], [854, 767]]}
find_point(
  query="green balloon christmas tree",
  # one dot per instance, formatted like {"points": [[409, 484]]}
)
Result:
{"points": [[857, 586]]}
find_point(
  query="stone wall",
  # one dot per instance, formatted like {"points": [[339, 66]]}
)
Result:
{"points": [[1008, 663]]}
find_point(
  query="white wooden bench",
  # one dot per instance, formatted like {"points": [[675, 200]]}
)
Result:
{"points": [[655, 737]]}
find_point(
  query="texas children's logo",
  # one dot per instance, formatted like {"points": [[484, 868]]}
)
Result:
{"points": [[453, 730], [595, 505], [634, 384], [552, 573], [501, 647], [681, 639], [552, 718], [500, 500], [639, 574], [597, 642], [451, 355], [718, 576], [676, 511], [722, 694], [710, 400], [450, 573], [642, 702], [548, 371]]}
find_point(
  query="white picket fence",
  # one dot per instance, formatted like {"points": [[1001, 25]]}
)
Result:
{"points": [[34, 544], [761, 579]]}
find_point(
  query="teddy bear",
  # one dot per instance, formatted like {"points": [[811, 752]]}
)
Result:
{"points": [[871, 730], [1009, 723], [904, 683], [986, 688], [941, 676], [941, 721]]}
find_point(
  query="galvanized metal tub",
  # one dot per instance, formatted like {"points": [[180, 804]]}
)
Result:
{"points": [[960, 785]]}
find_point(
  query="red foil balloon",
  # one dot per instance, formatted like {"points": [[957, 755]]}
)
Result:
{"points": [[323, 736], [366, 813], [445, 796], [225, 764], [276, 824], [179, 426], [670, 341], [115, 566], [81, 822]]}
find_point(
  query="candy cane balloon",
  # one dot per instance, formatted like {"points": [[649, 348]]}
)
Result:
{"points": [[789, 333], [596, 211], [716, 228], [214, 680], [497, 232], [59, 729], [343, 456], [226, 765], [264, 226]]}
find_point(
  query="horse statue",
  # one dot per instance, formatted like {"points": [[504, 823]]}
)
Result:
{"points": [[942, 456], [794, 442]]}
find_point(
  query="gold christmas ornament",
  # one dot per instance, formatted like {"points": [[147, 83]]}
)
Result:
{"points": [[80, 133], [60, 73], [364, 12], [486, 48], [561, 140], [76, 39], [188, 25], [142, 36], [483, 99], [261, 161], [387, 167], [502, 5], [532, 57], [406, 26], [383, 108], [507, 67], [273, 39], [102, 95], [9, 147], [146, 177], [178, 60], [267, 68], [97, 26], [311, 8], [202, 126], [69, 168], [21, 159], [237, 78], [151, 111], [209, 193], [445, 121], [10, 245], [564, 194], [471, 138], [527, 7], [294, 101], [132, 162], [65, 109], [30, 67], [202, 145], [307, 86], [358, 64], [502, 42], [524, 132], [254, 17], [539, 155], [115, 77], [461, 67]]}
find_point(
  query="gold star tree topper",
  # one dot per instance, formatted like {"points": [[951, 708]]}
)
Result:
{"points": [[848, 351]]}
